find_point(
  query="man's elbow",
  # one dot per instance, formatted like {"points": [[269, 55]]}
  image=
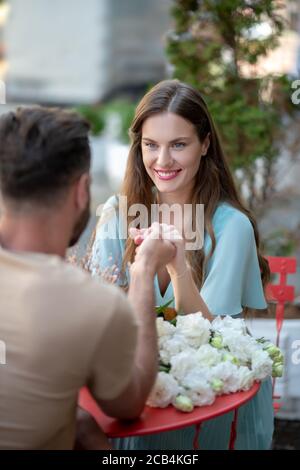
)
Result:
{"points": [[130, 413]]}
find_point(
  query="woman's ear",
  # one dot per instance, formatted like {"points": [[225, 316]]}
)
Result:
{"points": [[206, 144]]}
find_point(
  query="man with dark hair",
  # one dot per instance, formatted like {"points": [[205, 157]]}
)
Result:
{"points": [[62, 329]]}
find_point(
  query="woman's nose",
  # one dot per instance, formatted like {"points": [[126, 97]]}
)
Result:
{"points": [[164, 158]]}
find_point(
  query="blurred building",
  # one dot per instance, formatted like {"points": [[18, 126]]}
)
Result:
{"points": [[70, 51]]}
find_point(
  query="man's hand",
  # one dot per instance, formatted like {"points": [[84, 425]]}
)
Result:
{"points": [[156, 250], [89, 436], [175, 265]]}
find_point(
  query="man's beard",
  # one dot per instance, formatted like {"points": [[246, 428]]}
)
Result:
{"points": [[80, 225]]}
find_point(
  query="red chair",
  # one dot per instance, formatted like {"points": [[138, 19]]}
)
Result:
{"points": [[281, 294]]}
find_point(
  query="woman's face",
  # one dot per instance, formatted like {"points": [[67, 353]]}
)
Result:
{"points": [[171, 152]]}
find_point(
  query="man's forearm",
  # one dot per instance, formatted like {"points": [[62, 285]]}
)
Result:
{"points": [[141, 297]]}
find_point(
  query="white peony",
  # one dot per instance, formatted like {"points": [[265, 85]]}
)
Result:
{"points": [[229, 323], [207, 355], [261, 364], [194, 328], [240, 345], [198, 389], [199, 371], [228, 373], [164, 391], [164, 328], [182, 364], [246, 378], [170, 346]]}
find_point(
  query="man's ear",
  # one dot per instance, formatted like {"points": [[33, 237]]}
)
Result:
{"points": [[83, 190], [206, 144]]}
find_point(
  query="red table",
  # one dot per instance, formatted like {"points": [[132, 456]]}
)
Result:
{"points": [[156, 420]]}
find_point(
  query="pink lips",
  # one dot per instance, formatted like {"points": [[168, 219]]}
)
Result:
{"points": [[167, 175]]}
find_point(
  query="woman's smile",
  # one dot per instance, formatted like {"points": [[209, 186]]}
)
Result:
{"points": [[167, 175]]}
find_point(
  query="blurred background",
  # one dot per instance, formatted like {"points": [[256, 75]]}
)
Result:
{"points": [[100, 56]]}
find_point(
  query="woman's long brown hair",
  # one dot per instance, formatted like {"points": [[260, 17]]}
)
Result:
{"points": [[213, 182]]}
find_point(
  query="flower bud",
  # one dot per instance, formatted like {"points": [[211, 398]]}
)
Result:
{"points": [[217, 385], [277, 369], [229, 357], [183, 403], [217, 341], [273, 351]]}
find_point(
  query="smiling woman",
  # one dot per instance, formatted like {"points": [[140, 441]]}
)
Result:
{"points": [[172, 152], [176, 158]]}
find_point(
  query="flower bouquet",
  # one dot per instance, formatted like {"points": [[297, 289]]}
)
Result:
{"points": [[199, 360]]}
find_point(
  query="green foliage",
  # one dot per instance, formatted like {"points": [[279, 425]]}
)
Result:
{"points": [[95, 116], [213, 46], [281, 242], [125, 109], [98, 116]]}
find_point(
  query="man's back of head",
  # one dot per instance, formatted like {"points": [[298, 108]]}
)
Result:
{"points": [[44, 169], [42, 150]]}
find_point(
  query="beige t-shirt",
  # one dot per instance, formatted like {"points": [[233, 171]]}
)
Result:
{"points": [[61, 330]]}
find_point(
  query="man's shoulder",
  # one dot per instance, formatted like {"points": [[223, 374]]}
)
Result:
{"points": [[77, 287]]}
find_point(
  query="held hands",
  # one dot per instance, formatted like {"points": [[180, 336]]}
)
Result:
{"points": [[149, 239], [152, 248]]}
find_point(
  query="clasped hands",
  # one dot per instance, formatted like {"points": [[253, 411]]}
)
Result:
{"points": [[162, 245]]}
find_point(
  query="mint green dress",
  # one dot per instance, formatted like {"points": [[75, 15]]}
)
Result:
{"points": [[232, 281]]}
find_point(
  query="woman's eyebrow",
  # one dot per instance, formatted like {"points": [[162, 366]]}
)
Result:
{"points": [[171, 141], [148, 138]]}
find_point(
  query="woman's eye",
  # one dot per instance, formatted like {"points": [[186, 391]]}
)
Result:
{"points": [[179, 145], [151, 145]]}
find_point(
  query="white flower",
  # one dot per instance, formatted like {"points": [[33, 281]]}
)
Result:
{"points": [[207, 355], [200, 370], [240, 345], [261, 364], [164, 328], [171, 346], [228, 373], [194, 328], [229, 323], [164, 391], [198, 389], [182, 364], [246, 378]]}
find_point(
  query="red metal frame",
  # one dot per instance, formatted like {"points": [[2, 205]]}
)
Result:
{"points": [[281, 294]]}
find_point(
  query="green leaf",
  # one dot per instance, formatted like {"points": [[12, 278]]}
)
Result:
{"points": [[161, 309]]}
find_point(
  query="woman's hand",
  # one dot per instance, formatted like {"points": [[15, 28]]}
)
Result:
{"points": [[153, 248], [178, 265], [186, 292]]}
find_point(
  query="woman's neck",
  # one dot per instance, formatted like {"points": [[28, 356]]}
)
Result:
{"points": [[181, 198]]}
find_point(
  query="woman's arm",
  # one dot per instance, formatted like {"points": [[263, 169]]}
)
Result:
{"points": [[186, 293]]}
